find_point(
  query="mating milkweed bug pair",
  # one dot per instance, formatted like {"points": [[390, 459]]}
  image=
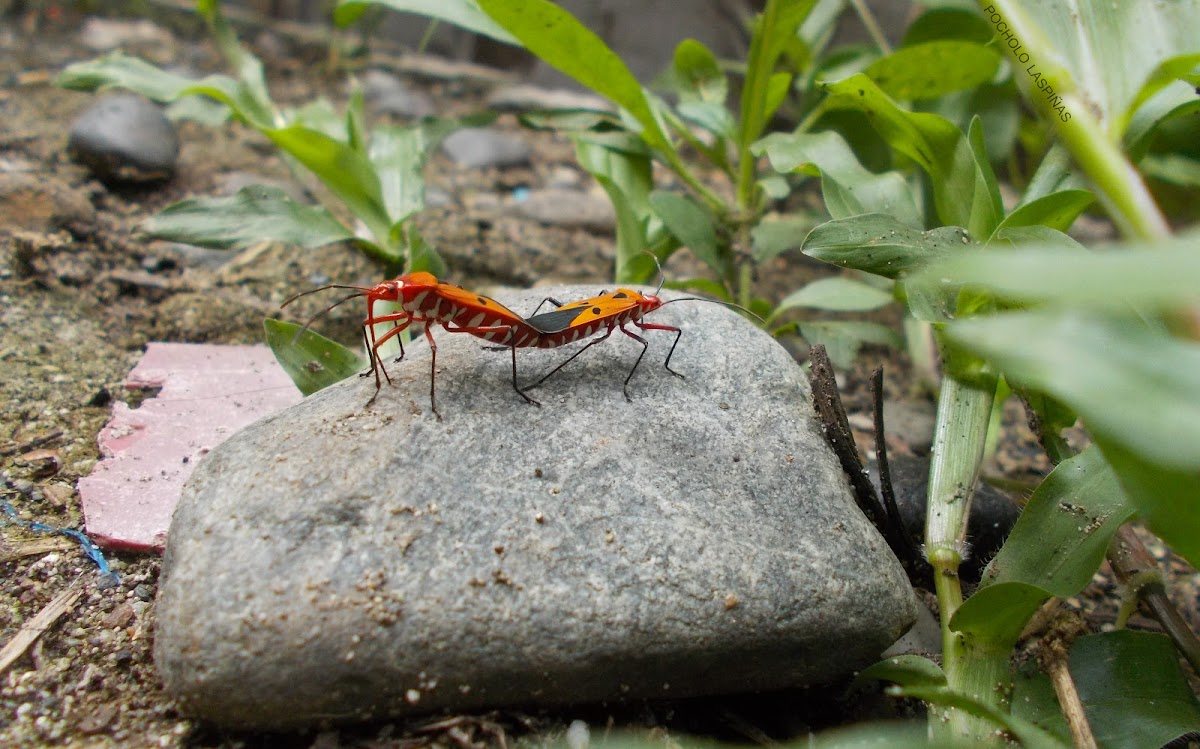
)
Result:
{"points": [[422, 298]]}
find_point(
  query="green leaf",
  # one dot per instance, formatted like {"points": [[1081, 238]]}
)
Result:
{"points": [[888, 735], [997, 614], [934, 68], [773, 236], [1057, 211], [842, 339], [880, 244], [1064, 530], [312, 361], [254, 100], [948, 23], [422, 256], [1027, 734], [698, 74], [905, 670], [255, 214], [570, 120], [694, 228], [1132, 689], [1034, 700], [849, 188], [347, 173], [773, 30], [1109, 279], [398, 156], [1136, 389], [964, 189], [626, 176], [560, 40], [119, 70], [839, 294], [1118, 53], [462, 13]]}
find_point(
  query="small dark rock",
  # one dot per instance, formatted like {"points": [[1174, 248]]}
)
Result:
{"points": [[124, 138]]}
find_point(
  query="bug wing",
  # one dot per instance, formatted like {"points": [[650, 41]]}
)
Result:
{"points": [[586, 311], [497, 313]]}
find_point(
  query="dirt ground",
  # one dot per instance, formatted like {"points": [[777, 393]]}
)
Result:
{"points": [[82, 291]]}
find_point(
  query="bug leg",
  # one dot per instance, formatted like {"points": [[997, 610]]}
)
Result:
{"points": [[542, 303], [549, 374], [678, 334], [517, 387], [432, 370], [645, 346]]}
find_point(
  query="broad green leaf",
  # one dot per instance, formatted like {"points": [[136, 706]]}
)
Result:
{"points": [[997, 614], [880, 244], [1034, 700], [1164, 495], [778, 86], [1117, 53], [255, 214], [934, 68], [1132, 689], [948, 23], [698, 74], [1108, 279], [398, 155], [312, 360], [694, 228], [713, 117], [256, 105], [1027, 734], [842, 339], [1064, 530], [626, 176], [1057, 211], [773, 236], [1130, 384], [347, 173], [1174, 168], [119, 70], [422, 256], [965, 193], [462, 13], [772, 31], [849, 188], [1176, 100], [1053, 175], [839, 294], [561, 41], [905, 670]]}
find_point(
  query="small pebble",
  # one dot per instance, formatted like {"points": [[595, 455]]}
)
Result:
{"points": [[479, 147], [386, 94], [124, 138]]}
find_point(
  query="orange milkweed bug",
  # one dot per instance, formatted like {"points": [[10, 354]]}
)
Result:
{"points": [[422, 298], [608, 311]]}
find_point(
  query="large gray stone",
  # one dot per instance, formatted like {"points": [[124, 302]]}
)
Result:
{"points": [[124, 138], [340, 561]]}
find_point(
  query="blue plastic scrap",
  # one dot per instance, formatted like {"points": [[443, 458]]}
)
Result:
{"points": [[89, 546]]}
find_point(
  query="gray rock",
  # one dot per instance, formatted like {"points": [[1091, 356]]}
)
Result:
{"points": [[479, 147], [343, 560], [570, 208], [124, 138], [387, 94]]}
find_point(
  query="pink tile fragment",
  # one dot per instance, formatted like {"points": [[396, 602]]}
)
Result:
{"points": [[208, 392]]}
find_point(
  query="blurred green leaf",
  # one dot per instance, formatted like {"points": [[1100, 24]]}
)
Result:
{"points": [[1107, 279], [465, 14], [713, 117], [763, 89], [560, 40], [849, 188], [1028, 735], [964, 188], [839, 294], [422, 257], [570, 119], [1136, 389], [626, 176], [698, 74], [256, 213], [843, 339], [1034, 700], [880, 244], [693, 227], [347, 173], [1132, 689], [1057, 211], [772, 236], [312, 361], [119, 70], [934, 68], [948, 23], [906, 670]]}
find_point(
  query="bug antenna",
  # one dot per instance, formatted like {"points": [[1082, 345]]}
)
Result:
{"points": [[662, 277], [359, 292], [752, 313], [294, 297]]}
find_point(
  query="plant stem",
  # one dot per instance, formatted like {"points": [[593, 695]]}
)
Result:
{"points": [[872, 26], [960, 436]]}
